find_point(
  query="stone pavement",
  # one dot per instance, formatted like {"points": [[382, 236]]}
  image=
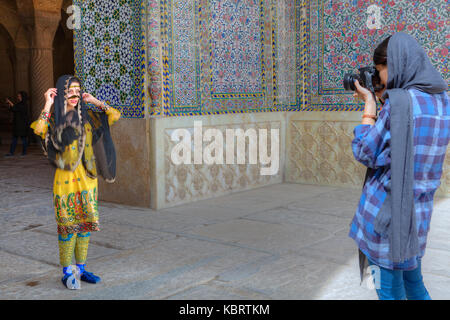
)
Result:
{"points": [[284, 241]]}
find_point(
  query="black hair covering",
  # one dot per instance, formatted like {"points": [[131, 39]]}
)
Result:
{"points": [[66, 127], [380, 53], [24, 96]]}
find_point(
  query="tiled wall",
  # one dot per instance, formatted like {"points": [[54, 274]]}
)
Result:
{"points": [[196, 57], [225, 56], [231, 64]]}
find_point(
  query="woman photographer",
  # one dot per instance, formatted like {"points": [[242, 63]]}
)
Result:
{"points": [[404, 149]]}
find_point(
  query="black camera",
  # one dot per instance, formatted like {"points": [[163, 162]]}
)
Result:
{"points": [[368, 78]]}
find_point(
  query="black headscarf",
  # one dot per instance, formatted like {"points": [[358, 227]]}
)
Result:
{"points": [[408, 68], [24, 96], [66, 127]]}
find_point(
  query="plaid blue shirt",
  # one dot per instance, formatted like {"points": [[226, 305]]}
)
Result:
{"points": [[371, 147]]}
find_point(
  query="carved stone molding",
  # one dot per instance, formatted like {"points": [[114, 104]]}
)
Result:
{"points": [[320, 153], [190, 182]]}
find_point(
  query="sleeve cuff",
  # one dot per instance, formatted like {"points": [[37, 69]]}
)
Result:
{"points": [[361, 129], [113, 115]]}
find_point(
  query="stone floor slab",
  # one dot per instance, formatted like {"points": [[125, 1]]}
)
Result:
{"points": [[437, 286], [270, 237], [164, 221], [166, 269], [14, 195], [118, 236], [206, 211], [326, 205], [290, 277], [15, 268], [436, 261], [246, 202], [26, 216], [339, 248], [303, 217], [42, 247], [344, 283], [438, 236], [215, 292], [284, 192]]}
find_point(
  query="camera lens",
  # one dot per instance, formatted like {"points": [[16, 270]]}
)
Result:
{"points": [[349, 82]]}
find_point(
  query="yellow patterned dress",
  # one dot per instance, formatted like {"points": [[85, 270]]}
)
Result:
{"points": [[75, 195]]}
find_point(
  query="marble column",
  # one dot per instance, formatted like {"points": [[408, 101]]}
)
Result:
{"points": [[45, 27]]}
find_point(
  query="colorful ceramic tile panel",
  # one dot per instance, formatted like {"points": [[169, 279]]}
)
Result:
{"points": [[153, 34], [237, 48], [224, 57], [343, 35], [224, 63], [184, 52], [110, 53], [286, 21]]}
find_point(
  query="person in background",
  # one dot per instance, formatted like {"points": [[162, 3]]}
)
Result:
{"points": [[20, 122]]}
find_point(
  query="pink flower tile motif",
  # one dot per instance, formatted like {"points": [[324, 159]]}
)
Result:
{"points": [[341, 42], [236, 48]]}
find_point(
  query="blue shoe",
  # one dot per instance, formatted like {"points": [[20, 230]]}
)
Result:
{"points": [[89, 277], [70, 281]]}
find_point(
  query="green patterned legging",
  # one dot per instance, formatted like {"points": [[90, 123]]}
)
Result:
{"points": [[70, 243]]}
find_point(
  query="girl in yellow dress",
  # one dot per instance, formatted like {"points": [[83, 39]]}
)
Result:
{"points": [[77, 141]]}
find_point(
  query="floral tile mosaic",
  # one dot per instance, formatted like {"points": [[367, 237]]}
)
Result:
{"points": [[340, 41]]}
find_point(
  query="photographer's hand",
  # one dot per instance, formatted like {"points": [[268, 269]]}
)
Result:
{"points": [[370, 107]]}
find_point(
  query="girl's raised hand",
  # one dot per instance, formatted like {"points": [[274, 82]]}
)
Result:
{"points": [[50, 95]]}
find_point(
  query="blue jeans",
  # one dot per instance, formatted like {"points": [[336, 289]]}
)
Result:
{"points": [[14, 144], [399, 284]]}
